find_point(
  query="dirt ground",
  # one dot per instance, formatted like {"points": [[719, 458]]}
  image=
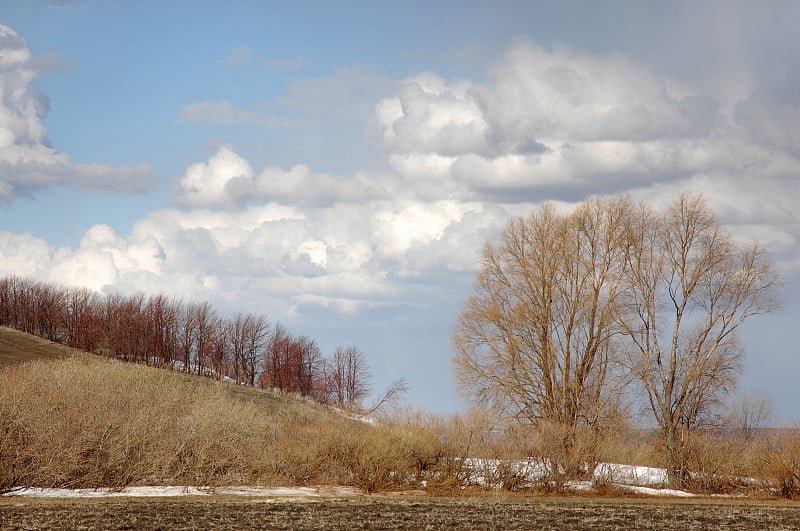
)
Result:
{"points": [[379, 512]]}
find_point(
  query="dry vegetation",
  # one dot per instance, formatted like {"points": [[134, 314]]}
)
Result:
{"points": [[18, 347], [71, 419], [87, 421]]}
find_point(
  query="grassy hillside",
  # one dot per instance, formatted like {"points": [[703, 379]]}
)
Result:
{"points": [[18, 347], [71, 419]]}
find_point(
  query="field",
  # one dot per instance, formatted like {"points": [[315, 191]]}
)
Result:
{"points": [[394, 512]]}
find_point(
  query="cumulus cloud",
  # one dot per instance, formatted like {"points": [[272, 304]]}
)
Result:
{"points": [[461, 157], [27, 161], [563, 124], [341, 255], [544, 119], [228, 181], [431, 116], [204, 184], [563, 95]]}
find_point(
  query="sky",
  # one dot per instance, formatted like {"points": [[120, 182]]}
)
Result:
{"points": [[338, 166]]}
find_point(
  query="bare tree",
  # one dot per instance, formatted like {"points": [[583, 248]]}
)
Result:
{"points": [[235, 337], [535, 337], [80, 327], [124, 326], [162, 320], [348, 377], [47, 305], [186, 336], [206, 328], [689, 288], [255, 341], [292, 364], [391, 397], [749, 414]]}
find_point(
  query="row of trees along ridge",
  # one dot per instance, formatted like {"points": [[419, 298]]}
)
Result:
{"points": [[193, 337]]}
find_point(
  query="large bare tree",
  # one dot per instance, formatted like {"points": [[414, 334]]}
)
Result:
{"points": [[535, 338], [689, 288]]}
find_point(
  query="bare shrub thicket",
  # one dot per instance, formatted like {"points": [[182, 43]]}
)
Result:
{"points": [[780, 464], [718, 463], [91, 422]]}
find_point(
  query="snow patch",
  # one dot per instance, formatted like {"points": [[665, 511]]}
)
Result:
{"points": [[170, 491], [655, 492], [630, 474]]}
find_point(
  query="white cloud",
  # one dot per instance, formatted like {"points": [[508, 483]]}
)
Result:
{"points": [[432, 116], [563, 124], [227, 180], [570, 96], [461, 157], [205, 184], [27, 161]]}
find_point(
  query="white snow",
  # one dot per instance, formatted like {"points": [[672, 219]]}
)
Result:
{"points": [[162, 491], [491, 472], [177, 365], [481, 472], [656, 492], [630, 474], [641, 479]]}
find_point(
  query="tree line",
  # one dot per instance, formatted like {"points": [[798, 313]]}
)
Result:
{"points": [[189, 336]]}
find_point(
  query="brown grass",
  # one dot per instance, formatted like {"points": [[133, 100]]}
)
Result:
{"points": [[18, 347], [86, 421]]}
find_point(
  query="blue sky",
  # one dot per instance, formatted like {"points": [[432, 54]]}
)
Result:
{"points": [[338, 165]]}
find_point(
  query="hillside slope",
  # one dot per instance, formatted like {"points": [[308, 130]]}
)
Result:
{"points": [[72, 419], [18, 347]]}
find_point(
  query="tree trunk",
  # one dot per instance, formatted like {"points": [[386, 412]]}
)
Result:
{"points": [[676, 469]]}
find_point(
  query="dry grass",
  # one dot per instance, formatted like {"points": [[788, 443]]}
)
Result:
{"points": [[86, 421], [18, 347]]}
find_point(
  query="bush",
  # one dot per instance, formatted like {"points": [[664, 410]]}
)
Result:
{"points": [[719, 463], [781, 464]]}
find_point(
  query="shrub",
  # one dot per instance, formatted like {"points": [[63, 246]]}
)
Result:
{"points": [[781, 464]]}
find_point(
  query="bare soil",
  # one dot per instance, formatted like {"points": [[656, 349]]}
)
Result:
{"points": [[394, 512]]}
